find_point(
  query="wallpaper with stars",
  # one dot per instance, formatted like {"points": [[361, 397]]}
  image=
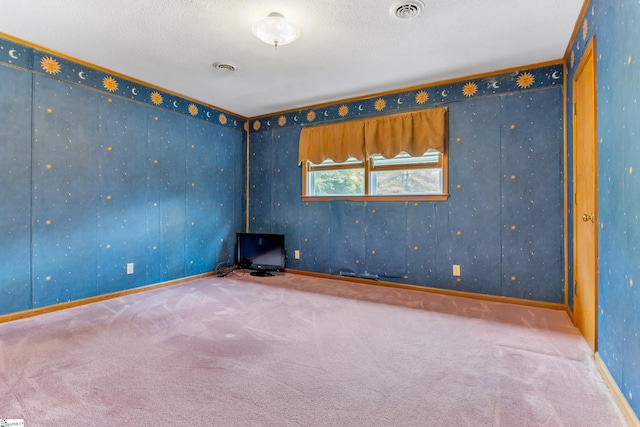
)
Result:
{"points": [[93, 179], [615, 24], [503, 222]]}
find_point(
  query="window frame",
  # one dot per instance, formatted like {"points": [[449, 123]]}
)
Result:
{"points": [[369, 167]]}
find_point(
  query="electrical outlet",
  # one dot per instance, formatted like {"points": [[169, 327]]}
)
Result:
{"points": [[456, 270], [296, 254], [130, 268]]}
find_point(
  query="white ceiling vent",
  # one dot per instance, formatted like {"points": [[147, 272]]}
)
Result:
{"points": [[408, 9], [224, 66]]}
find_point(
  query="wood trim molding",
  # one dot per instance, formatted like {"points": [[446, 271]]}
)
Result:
{"points": [[623, 404], [414, 87], [76, 303], [482, 297], [112, 73]]}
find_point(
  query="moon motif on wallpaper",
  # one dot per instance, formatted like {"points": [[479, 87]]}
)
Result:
{"points": [[326, 113], [399, 101], [82, 75], [295, 118], [175, 104], [495, 85], [134, 91], [555, 75], [268, 122], [12, 53], [209, 114], [444, 93], [235, 123], [360, 107]]}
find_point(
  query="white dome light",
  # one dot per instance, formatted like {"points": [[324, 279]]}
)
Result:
{"points": [[275, 29]]}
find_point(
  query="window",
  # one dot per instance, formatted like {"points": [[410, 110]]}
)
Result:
{"points": [[402, 177], [395, 157], [405, 174], [336, 179]]}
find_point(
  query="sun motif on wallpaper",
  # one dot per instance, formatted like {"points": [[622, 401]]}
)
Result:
{"points": [[222, 119], [343, 110], [282, 120], [110, 84], [156, 98], [50, 65], [422, 97], [380, 104], [311, 116], [193, 109], [525, 80], [585, 29], [256, 125], [246, 126], [470, 89]]}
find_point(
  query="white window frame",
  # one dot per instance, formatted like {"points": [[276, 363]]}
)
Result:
{"points": [[372, 165]]}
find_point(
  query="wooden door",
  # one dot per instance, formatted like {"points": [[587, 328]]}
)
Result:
{"points": [[585, 198]]}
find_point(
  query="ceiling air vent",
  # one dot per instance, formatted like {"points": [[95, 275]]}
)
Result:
{"points": [[407, 9], [224, 66]]}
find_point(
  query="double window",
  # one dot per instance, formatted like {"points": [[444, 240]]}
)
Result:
{"points": [[400, 157]]}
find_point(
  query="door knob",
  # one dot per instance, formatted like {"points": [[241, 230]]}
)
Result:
{"points": [[588, 217]]}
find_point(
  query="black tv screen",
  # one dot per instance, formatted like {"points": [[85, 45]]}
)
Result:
{"points": [[261, 252]]}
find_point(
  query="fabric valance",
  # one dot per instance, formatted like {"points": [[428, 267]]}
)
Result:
{"points": [[337, 142], [414, 133]]}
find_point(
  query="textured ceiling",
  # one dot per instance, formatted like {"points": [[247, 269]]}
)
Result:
{"points": [[347, 48]]}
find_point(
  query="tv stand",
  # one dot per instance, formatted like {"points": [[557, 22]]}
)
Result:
{"points": [[261, 273]]}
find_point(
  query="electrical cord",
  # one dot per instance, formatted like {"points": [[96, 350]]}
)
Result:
{"points": [[224, 269]]}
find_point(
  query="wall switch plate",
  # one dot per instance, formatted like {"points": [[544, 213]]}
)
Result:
{"points": [[456, 270], [130, 268], [296, 254]]}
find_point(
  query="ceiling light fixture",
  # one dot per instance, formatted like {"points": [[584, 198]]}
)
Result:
{"points": [[275, 29]]}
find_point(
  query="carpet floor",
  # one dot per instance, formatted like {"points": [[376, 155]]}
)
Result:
{"points": [[293, 350]]}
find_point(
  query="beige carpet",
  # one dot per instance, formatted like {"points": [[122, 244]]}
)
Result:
{"points": [[298, 351]]}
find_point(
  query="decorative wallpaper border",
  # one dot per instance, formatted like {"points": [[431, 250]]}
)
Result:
{"points": [[586, 31], [418, 98], [36, 61]]}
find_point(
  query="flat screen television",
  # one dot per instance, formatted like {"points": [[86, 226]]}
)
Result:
{"points": [[261, 252]]}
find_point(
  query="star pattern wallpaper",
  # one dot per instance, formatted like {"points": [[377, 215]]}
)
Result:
{"points": [[503, 221], [614, 25], [95, 180], [27, 58], [416, 99]]}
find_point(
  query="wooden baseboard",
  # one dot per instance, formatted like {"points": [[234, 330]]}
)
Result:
{"points": [[48, 309], [482, 297], [623, 404], [57, 307]]}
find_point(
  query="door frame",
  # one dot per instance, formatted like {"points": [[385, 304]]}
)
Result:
{"points": [[590, 53]]}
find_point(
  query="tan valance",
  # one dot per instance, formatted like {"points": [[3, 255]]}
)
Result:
{"points": [[337, 142], [414, 133]]}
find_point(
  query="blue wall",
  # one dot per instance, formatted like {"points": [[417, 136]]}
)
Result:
{"points": [[92, 180], [616, 27], [503, 223]]}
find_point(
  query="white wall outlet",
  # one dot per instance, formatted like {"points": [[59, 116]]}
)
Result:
{"points": [[130, 268], [296, 254], [456, 270]]}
